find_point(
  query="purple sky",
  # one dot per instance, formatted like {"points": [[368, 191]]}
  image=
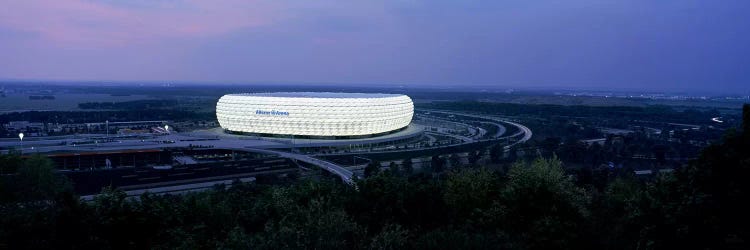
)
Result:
{"points": [[631, 44]]}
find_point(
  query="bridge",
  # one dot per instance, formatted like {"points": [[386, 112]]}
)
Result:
{"points": [[346, 175]]}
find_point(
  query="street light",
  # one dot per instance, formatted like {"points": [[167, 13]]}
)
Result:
{"points": [[166, 127], [20, 136]]}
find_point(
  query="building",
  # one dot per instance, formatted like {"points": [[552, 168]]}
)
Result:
{"points": [[24, 125], [314, 114]]}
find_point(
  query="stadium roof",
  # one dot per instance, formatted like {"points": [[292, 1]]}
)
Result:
{"points": [[318, 95]]}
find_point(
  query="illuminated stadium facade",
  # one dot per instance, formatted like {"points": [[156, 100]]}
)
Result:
{"points": [[314, 114]]}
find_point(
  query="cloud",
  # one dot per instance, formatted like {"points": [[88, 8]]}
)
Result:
{"points": [[84, 23]]}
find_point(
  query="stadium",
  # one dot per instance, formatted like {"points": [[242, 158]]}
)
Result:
{"points": [[314, 114]]}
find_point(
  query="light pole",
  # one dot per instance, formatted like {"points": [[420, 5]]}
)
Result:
{"points": [[20, 136]]}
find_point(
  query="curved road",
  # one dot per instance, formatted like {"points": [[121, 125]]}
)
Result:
{"points": [[525, 130], [345, 174]]}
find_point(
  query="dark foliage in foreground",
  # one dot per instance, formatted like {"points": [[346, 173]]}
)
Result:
{"points": [[536, 205]]}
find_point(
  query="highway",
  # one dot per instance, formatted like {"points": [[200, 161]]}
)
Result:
{"points": [[522, 130], [500, 129], [525, 130], [345, 174]]}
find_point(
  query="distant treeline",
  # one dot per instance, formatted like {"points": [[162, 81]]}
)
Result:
{"points": [[130, 105], [100, 116], [41, 97], [651, 113]]}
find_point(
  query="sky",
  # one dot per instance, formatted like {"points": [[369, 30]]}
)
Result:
{"points": [[681, 45]]}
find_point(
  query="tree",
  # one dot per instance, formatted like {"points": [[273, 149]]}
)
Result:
{"points": [[10, 163], [372, 169], [453, 238], [380, 199], [660, 152], [746, 119], [572, 151], [471, 190], [407, 166], [316, 225], [541, 201], [437, 164], [496, 151], [475, 156], [618, 220], [703, 205], [118, 220], [393, 168], [549, 145], [512, 154], [391, 237], [37, 180], [237, 239], [455, 161]]}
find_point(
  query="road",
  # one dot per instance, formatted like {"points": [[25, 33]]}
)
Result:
{"points": [[500, 129], [176, 189], [178, 140], [345, 174], [525, 130]]}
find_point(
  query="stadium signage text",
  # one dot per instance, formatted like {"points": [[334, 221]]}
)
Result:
{"points": [[272, 112]]}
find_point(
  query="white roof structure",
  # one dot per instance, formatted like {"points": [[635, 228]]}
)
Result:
{"points": [[317, 95], [314, 113]]}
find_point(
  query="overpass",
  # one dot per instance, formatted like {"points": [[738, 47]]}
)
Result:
{"points": [[346, 175]]}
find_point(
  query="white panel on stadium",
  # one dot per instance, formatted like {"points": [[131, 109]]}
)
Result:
{"points": [[314, 114]]}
